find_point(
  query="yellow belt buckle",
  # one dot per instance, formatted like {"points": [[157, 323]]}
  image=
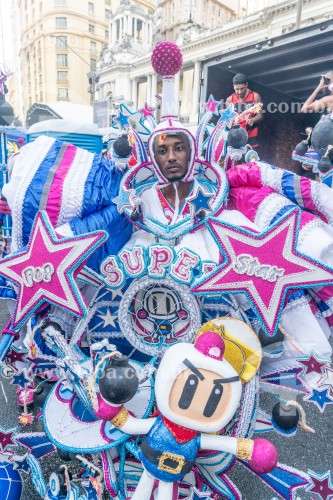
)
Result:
{"points": [[172, 456]]}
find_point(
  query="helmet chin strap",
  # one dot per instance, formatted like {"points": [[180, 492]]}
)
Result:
{"points": [[176, 211]]}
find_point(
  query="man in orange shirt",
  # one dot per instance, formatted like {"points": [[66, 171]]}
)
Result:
{"points": [[243, 98]]}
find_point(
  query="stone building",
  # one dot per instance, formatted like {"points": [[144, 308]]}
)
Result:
{"points": [[60, 42], [282, 46]]}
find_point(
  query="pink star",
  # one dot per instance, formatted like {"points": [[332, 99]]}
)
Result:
{"points": [[322, 484], [45, 271], [264, 266], [312, 363], [212, 105], [147, 111], [6, 439], [15, 355]]}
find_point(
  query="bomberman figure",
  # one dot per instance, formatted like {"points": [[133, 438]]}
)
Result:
{"points": [[161, 306], [197, 393]]}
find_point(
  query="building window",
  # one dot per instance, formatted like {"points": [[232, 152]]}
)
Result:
{"points": [[62, 93], [41, 96], [61, 22], [90, 8], [60, 2], [62, 61], [93, 64], [139, 28], [40, 79], [91, 28], [62, 76], [61, 42], [93, 48], [107, 2], [107, 14], [106, 35], [39, 50]]}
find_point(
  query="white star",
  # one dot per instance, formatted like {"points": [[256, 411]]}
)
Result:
{"points": [[327, 378], [115, 293], [199, 494], [108, 318]]}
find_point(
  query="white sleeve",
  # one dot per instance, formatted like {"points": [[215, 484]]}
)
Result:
{"points": [[135, 426], [218, 443]]}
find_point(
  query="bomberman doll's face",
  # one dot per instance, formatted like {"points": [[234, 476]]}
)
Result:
{"points": [[201, 396]]}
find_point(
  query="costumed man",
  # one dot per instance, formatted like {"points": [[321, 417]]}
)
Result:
{"points": [[169, 202], [255, 202], [242, 99]]}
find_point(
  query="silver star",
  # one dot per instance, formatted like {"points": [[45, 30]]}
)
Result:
{"points": [[108, 318]]}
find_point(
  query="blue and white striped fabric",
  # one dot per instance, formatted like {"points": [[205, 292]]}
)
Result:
{"points": [[74, 186]]}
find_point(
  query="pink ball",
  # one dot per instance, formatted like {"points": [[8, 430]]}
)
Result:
{"points": [[166, 58], [264, 457]]}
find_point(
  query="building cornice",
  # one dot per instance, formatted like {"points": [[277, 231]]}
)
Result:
{"points": [[255, 23]]}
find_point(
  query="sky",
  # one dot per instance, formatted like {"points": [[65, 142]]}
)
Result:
{"points": [[6, 54]]}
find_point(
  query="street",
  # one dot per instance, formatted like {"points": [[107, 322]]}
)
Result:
{"points": [[304, 451]]}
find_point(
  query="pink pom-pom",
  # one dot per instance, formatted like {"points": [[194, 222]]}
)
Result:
{"points": [[264, 457], [166, 58]]}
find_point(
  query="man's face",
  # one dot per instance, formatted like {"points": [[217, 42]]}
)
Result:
{"points": [[172, 155], [240, 89]]}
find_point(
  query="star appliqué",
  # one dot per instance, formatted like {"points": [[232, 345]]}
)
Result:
{"points": [[126, 199], [16, 355], [21, 463], [320, 397], [108, 318], [147, 111], [313, 364], [263, 266], [228, 115], [44, 272], [212, 105], [20, 379], [128, 118], [201, 200], [321, 484], [327, 379], [6, 438]]}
